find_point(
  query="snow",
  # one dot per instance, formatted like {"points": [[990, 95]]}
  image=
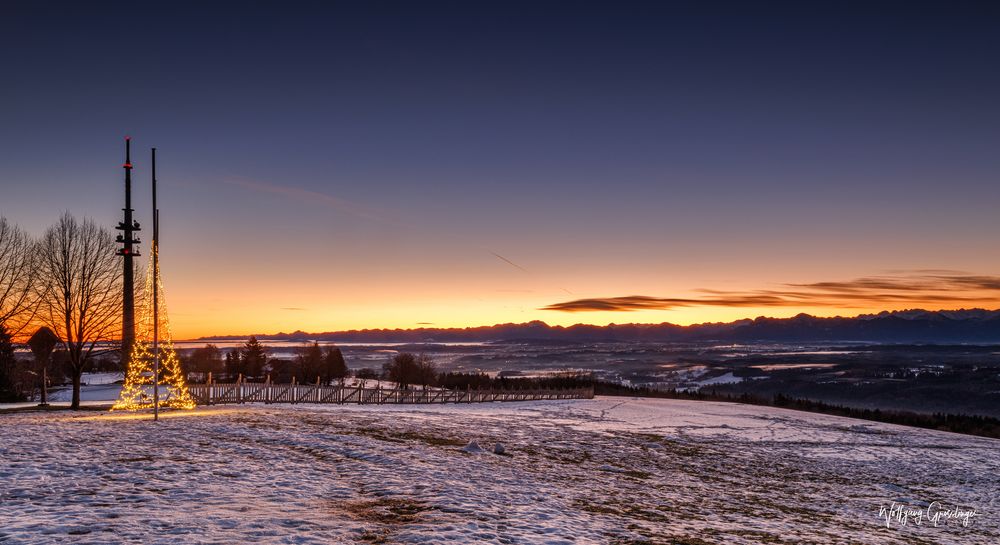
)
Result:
{"points": [[788, 366], [91, 379], [106, 393], [95, 389], [607, 470], [727, 378]]}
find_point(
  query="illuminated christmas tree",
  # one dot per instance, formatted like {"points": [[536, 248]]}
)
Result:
{"points": [[137, 392]]}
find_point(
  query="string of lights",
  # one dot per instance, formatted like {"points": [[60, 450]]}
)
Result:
{"points": [[136, 392]]}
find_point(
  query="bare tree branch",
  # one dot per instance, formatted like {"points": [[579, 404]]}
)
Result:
{"points": [[80, 289], [17, 277]]}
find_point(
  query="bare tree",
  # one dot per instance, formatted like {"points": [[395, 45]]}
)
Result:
{"points": [[80, 281], [9, 390], [207, 359], [17, 277], [402, 369], [426, 371]]}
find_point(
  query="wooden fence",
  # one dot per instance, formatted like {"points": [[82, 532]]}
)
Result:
{"points": [[267, 392]]}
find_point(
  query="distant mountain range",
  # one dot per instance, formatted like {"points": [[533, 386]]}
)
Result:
{"points": [[904, 326]]}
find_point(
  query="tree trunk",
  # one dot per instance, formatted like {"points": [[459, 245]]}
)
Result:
{"points": [[77, 372], [45, 386]]}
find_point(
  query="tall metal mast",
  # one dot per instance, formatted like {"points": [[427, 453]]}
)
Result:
{"points": [[156, 305], [129, 227]]}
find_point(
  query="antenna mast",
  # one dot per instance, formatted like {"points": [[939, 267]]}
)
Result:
{"points": [[129, 227], [156, 306]]}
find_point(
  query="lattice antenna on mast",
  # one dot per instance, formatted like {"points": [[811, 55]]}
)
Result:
{"points": [[128, 226]]}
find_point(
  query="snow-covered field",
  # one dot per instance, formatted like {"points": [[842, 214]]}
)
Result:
{"points": [[608, 470]]}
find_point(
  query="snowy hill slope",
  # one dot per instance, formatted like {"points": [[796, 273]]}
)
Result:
{"points": [[608, 470]]}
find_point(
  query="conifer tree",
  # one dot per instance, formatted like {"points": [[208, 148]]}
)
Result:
{"points": [[254, 358], [335, 367], [234, 365], [7, 363]]}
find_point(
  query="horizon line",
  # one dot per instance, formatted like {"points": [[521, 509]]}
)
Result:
{"points": [[459, 328]]}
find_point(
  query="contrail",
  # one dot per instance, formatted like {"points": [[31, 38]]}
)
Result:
{"points": [[306, 195], [509, 262], [334, 202]]}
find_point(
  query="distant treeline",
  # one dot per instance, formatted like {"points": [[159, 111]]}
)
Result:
{"points": [[251, 362], [482, 381], [914, 326], [311, 363]]}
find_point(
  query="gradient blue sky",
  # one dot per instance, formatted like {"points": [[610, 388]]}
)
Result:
{"points": [[363, 164]]}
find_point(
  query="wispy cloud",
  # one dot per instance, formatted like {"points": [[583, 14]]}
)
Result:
{"points": [[919, 287], [342, 205], [292, 308]]}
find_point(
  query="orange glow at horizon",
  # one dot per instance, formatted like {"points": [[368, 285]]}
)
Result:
{"points": [[289, 311], [318, 268], [250, 325], [321, 266]]}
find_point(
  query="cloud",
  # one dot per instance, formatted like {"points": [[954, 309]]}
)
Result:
{"points": [[292, 308], [919, 287]]}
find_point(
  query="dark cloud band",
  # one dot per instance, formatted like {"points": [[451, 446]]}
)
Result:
{"points": [[939, 287]]}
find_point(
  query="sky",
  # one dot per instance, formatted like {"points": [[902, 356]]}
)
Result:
{"points": [[338, 165]]}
